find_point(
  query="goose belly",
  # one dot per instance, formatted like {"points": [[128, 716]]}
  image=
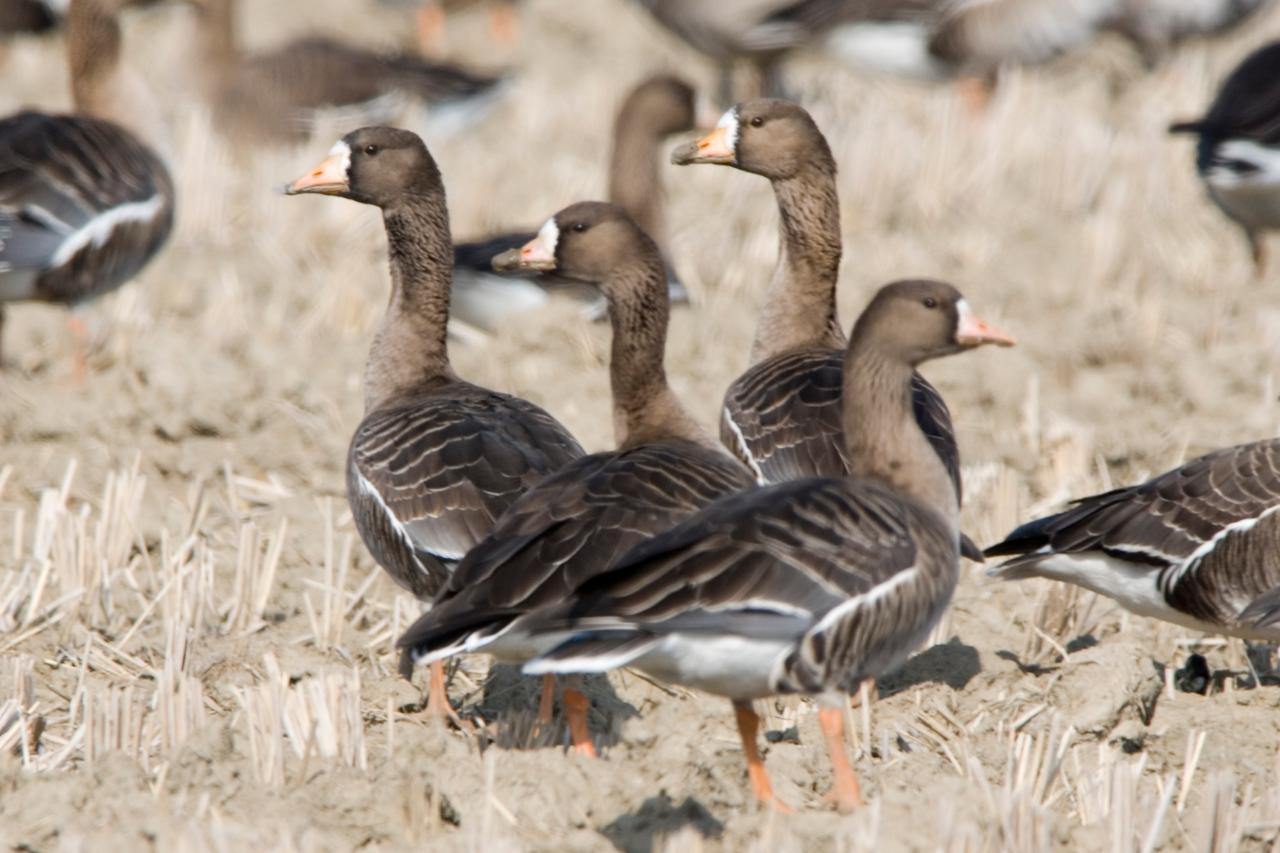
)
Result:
{"points": [[1133, 586], [516, 646], [1245, 183], [484, 300], [733, 666]]}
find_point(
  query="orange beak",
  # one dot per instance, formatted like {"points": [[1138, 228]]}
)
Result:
{"points": [[715, 147], [329, 178], [538, 254], [973, 331]]}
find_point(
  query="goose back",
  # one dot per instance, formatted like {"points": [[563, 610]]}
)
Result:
{"points": [[574, 524], [801, 579], [1198, 545]]}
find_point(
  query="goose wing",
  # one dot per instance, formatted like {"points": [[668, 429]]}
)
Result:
{"points": [[832, 570], [782, 418], [571, 526], [429, 476], [83, 206]]}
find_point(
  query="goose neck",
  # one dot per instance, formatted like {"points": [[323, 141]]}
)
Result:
{"points": [[882, 437], [411, 345], [644, 407], [800, 307], [635, 178]]}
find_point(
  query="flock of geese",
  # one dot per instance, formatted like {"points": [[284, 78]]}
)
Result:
{"points": [[811, 548]]}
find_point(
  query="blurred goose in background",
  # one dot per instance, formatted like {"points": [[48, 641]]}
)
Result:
{"points": [[923, 39], [280, 94], [1198, 546], [653, 110], [436, 460], [577, 521], [810, 586], [971, 40], [1156, 25], [728, 31], [432, 15], [85, 201], [1238, 152], [782, 417]]}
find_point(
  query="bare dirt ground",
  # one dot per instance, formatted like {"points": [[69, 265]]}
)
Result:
{"points": [[197, 654]]}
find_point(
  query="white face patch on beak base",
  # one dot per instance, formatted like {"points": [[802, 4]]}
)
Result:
{"points": [[542, 248], [729, 124], [342, 151]]}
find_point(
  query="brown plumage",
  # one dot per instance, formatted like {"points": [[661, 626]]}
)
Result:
{"points": [[576, 522], [807, 586], [653, 109], [1198, 546], [436, 459], [85, 203], [782, 415], [275, 95]]}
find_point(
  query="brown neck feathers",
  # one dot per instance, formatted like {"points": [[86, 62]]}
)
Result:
{"points": [[410, 348], [800, 307]]}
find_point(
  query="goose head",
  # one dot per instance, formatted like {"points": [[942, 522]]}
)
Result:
{"points": [[374, 165], [918, 320], [591, 241], [765, 136]]}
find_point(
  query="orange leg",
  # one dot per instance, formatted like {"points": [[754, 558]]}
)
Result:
{"points": [[576, 706], [80, 343], [845, 792], [504, 22], [437, 697], [975, 93], [431, 28], [748, 728], [547, 703]]}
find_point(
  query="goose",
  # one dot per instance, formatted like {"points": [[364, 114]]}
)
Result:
{"points": [[782, 416], [85, 201], [276, 95], [1238, 151], [655, 108], [810, 586], [922, 39], [1198, 546], [575, 522], [436, 459]]}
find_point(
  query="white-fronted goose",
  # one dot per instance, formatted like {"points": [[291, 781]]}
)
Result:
{"points": [[782, 416], [277, 94], [84, 202], [1238, 153], [436, 460], [810, 586], [577, 521], [1198, 546], [653, 110], [731, 30]]}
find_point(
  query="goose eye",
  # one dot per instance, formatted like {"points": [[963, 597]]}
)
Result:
{"points": [[930, 302], [757, 122], [371, 150], [578, 226]]}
